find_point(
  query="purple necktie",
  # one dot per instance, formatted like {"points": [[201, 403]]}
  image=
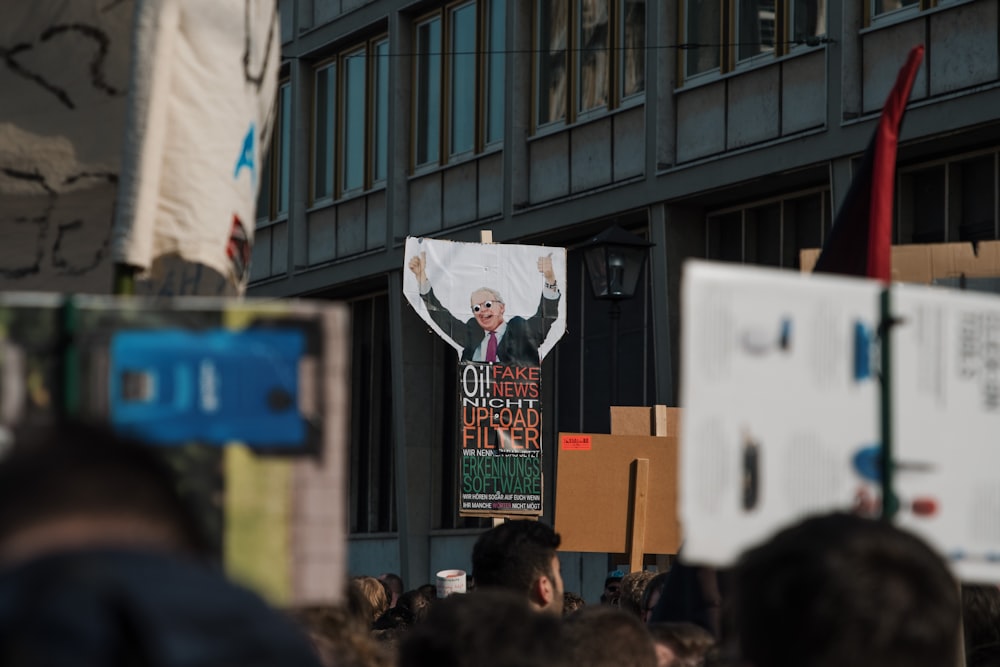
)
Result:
{"points": [[491, 348]]}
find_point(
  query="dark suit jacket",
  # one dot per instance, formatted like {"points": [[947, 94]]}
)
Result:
{"points": [[519, 345]]}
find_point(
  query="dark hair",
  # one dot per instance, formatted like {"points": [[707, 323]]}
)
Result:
{"points": [[338, 637], [572, 602], [689, 643], [484, 629], [393, 581], [75, 469], [655, 585], [514, 554], [632, 588], [417, 602], [603, 636], [841, 590], [981, 620]]}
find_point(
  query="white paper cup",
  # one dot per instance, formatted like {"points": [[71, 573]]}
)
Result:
{"points": [[450, 582]]}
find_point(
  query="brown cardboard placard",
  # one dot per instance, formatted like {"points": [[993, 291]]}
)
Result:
{"points": [[657, 420], [595, 487], [931, 261]]}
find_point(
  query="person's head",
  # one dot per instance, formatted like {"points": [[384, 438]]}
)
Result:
{"points": [[394, 583], [840, 590], [339, 638], [391, 627], [417, 602], [373, 593], [77, 485], [521, 556], [633, 586], [651, 596], [612, 588], [488, 628], [572, 602], [981, 620], [680, 644], [487, 307], [602, 636]]}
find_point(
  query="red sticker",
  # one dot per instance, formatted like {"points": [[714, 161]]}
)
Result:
{"points": [[577, 442]]}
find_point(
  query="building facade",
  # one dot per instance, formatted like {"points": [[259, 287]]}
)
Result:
{"points": [[722, 129]]}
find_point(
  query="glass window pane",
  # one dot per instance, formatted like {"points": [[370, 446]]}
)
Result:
{"points": [[592, 37], [325, 122], [496, 45], [380, 147], [462, 87], [803, 228], [928, 205], [633, 41], [977, 216], [808, 19], [763, 235], [553, 19], [284, 148], [886, 6], [756, 28], [353, 138], [703, 28], [725, 237], [428, 112], [264, 194]]}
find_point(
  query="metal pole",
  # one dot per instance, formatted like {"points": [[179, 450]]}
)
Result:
{"points": [[615, 316]]}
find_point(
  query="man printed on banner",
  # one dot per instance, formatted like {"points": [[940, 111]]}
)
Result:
{"points": [[488, 336]]}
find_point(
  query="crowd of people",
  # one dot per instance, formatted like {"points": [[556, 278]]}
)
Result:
{"points": [[102, 564]]}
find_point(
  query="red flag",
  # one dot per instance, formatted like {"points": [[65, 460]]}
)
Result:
{"points": [[861, 239]]}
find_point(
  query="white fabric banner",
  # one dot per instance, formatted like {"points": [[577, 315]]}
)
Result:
{"points": [[517, 289], [200, 105]]}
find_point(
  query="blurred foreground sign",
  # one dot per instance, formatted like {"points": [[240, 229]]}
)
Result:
{"points": [[194, 375], [787, 395]]}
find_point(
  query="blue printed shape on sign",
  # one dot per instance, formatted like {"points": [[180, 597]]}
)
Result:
{"points": [[173, 386]]}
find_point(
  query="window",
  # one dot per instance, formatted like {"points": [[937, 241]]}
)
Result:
{"points": [[769, 233], [372, 485], [880, 7], [950, 200], [590, 56], [721, 35], [272, 198], [351, 121], [459, 79], [876, 10]]}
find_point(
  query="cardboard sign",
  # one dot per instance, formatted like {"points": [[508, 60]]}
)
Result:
{"points": [[594, 491]]}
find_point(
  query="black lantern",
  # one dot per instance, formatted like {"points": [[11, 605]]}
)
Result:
{"points": [[615, 259]]}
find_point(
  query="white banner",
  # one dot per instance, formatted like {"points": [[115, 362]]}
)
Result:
{"points": [[201, 96], [465, 290]]}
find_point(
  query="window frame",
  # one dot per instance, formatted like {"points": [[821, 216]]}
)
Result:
{"points": [[748, 222], [482, 89], [729, 40], [271, 174], [614, 51], [370, 104]]}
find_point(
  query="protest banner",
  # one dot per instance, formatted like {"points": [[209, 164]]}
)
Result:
{"points": [[200, 112], [501, 435], [64, 82], [501, 308], [221, 386], [792, 386]]}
